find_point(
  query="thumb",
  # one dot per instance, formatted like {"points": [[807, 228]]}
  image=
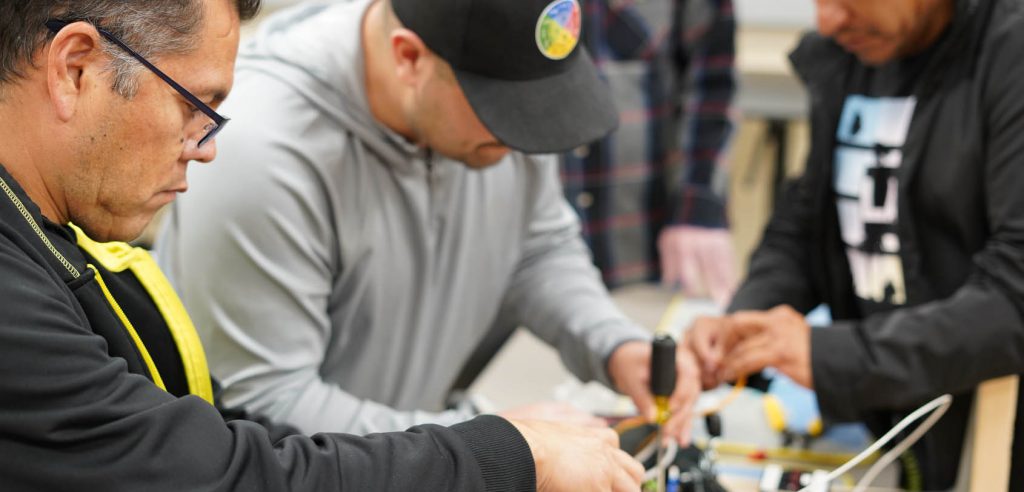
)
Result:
{"points": [[644, 402]]}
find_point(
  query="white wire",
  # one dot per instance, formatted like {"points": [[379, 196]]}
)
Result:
{"points": [[645, 453], [898, 450], [938, 405], [670, 456]]}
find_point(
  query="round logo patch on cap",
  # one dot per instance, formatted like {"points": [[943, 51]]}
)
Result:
{"points": [[558, 29]]}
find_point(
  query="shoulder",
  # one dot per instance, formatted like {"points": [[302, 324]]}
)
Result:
{"points": [[998, 58], [28, 288], [1003, 30], [816, 57]]}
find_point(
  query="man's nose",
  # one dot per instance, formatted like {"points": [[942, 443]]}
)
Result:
{"points": [[204, 154]]}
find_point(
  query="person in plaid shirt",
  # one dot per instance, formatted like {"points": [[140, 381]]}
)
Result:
{"points": [[653, 192]]}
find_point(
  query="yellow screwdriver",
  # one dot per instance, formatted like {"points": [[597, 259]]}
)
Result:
{"points": [[663, 382]]}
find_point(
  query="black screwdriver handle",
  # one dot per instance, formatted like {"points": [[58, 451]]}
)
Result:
{"points": [[663, 365]]}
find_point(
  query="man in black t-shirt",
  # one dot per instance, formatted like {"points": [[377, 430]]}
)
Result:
{"points": [[908, 223]]}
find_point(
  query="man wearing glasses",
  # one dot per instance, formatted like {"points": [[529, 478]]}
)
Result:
{"points": [[103, 382]]}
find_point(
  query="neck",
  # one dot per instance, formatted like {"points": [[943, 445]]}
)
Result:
{"points": [[939, 20], [27, 156], [382, 90]]}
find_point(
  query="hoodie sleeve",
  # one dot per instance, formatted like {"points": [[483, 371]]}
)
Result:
{"points": [[74, 418], [556, 291]]}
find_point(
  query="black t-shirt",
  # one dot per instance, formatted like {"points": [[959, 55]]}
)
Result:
{"points": [[872, 130]]}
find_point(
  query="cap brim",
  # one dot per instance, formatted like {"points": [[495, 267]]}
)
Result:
{"points": [[552, 114]]}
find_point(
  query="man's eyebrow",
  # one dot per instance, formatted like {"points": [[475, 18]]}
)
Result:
{"points": [[211, 95]]}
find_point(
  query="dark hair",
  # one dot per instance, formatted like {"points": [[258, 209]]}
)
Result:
{"points": [[151, 27]]}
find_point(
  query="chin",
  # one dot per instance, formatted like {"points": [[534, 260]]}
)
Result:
{"points": [[483, 160], [124, 230], [877, 57]]}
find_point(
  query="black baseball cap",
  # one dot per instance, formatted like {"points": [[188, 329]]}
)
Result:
{"points": [[521, 67]]}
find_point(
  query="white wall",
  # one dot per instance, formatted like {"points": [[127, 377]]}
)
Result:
{"points": [[775, 13]]}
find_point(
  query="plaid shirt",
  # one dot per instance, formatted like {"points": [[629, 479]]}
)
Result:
{"points": [[669, 64]]}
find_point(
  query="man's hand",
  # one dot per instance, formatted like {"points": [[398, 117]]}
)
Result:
{"points": [[779, 337], [706, 340], [700, 259], [554, 412], [746, 342], [572, 458], [630, 370]]}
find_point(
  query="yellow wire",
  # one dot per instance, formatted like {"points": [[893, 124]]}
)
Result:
{"points": [[665, 325], [731, 397], [626, 425]]}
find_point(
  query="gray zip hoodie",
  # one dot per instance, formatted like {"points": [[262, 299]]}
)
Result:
{"points": [[341, 277]]}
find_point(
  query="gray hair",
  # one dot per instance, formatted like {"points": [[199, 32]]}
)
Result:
{"points": [[151, 27]]}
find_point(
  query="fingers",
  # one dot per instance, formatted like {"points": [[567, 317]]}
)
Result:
{"points": [[703, 341], [608, 437], [594, 422], [750, 356], [722, 275], [630, 473], [644, 402], [740, 326], [694, 284], [670, 267], [570, 458], [683, 398]]}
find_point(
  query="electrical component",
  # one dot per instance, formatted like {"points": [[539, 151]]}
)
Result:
{"points": [[775, 478]]}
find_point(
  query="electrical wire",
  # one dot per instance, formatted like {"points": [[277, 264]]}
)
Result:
{"points": [[943, 404], [669, 315], [668, 457], [647, 448], [936, 407], [737, 389], [628, 424]]}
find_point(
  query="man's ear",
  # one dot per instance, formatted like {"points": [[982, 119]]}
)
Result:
{"points": [[74, 64], [411, 55]]}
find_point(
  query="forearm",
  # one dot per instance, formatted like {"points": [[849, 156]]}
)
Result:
{"points": [[66, 404], [904, 357], [312, 405], [559, 296]]}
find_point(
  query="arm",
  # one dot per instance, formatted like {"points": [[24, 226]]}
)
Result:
{"points": [[556, 291], [900, 358], [950, 345], [695, 246], [66, 405]]}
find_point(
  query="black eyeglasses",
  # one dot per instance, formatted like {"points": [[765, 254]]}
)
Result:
{"points": [[212, 129]]}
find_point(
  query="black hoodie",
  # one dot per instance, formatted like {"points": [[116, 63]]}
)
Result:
{"points": [[961, 231]]}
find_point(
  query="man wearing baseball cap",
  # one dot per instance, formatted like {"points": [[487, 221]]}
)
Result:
{"points": [[378, 217]]}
